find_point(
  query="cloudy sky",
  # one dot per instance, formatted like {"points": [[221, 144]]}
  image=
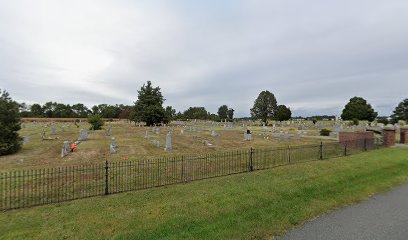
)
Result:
{"points": [[313, 55]]}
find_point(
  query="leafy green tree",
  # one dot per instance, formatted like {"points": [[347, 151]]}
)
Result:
{"points": [[10, 142], [283, 113], [400, 112], [231, 114], [223, 112], [169, 114], [96, 121], [264, 106], [37, 110], [358, 108], [148, 108], [80, 110], [196, 113]]}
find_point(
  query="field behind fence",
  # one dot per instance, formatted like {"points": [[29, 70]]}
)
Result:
{"points": [[27, 188]]}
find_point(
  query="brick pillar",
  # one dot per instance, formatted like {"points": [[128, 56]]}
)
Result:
{"points": [[404, 135], [389, 137]]}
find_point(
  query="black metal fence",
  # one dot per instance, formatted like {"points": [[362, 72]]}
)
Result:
{"points": [[27, 188]]}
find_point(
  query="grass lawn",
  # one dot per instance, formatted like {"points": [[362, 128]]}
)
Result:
{"points": [[256, 205], [38, 153]]}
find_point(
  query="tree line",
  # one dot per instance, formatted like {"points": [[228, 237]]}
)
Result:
{"points": [[149, 108]]}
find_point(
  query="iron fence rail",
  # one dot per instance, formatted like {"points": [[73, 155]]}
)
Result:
{"points": [[26, 188]]}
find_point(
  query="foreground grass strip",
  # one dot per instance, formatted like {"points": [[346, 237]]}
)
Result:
{"points": [[254, 205]]}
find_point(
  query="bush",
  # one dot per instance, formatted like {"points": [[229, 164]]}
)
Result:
{"points": [[325, 132], [95, 121], [355, 121]]}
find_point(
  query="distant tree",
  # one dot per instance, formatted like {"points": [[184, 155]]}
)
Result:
{"points": [[196, 113], [49, 108], [264, 106], [358, 108], [223, 112], [231, 114], [148, 108], [80, 110], [169, 114], [283, 113], [383, 120], [401, 112], [95, 110], [10, 142], [96, 121], [37, 110]]}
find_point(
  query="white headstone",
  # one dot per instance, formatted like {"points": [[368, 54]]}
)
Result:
{"points": [[169, 145]]}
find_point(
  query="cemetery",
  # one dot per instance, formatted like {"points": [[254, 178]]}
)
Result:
{"points": [[47, 144]]}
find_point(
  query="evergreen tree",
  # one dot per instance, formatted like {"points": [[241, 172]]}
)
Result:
{"points": [[10, 142], [148, 108]]}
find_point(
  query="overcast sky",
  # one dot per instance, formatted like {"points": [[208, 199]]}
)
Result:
{"points": [[313, 55]]}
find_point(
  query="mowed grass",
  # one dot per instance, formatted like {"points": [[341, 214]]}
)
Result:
{"points": [[255, 205], [132, 145]]}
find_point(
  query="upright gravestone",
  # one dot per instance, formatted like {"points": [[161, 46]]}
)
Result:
{"points": [[53, 131], [213, 133], [248, 136], [169, 145], [83, 135], [157, 131], [65, 149], [25, 139], [113, 146]]}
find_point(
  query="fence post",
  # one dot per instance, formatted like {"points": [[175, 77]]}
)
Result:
{"points": [[345, 148], [289, 154], [321, 151], [106, 177], [182, 168], [365, 144], [251, 154]]}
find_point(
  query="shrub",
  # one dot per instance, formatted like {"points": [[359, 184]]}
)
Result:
{"points": [[325, 132], [355, 121], [95, 121]]}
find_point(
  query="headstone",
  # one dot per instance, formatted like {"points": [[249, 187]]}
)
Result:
{"points": [[53, 131], [169, 145], [157, 131], [182, 132], [65, 149], [213, 133], [83, 135], [113, 146], [248, 137], [25, 139]]}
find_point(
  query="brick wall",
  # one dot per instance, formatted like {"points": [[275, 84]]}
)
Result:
{"points": [[357, 140], [389, 137], [404, 135]]}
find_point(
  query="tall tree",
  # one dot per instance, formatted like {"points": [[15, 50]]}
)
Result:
{"points": [[358, 108], [223, 112], [37, 110], [283, 113], [148, 108], [264, 106], [169, 114], [196, 113], [231, 114], [401, 112], [10, 142]]}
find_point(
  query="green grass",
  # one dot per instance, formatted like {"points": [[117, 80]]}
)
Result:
{"points": [[255, 205]]}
